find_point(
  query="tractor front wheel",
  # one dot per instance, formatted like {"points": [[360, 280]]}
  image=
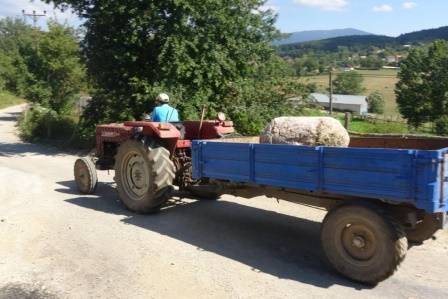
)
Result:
{"points": [[85, 175]]}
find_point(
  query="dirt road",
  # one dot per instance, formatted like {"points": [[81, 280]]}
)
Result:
{"points": [[57, 243]]}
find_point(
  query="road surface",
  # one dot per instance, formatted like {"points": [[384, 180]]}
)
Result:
{"points": [[57, 243]]}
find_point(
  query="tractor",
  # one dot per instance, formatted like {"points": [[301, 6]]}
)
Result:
{"points": [[149, 158]]}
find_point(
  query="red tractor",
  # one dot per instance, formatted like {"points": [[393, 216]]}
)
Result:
{"points": [[148, 159]]}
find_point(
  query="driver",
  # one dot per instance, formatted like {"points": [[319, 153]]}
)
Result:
{"points": [[164, 112]]}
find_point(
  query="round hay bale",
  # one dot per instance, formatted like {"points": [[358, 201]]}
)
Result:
{"points": [[305, 130]]}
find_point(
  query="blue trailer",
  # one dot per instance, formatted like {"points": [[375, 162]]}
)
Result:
{"points": [[380, 193]]}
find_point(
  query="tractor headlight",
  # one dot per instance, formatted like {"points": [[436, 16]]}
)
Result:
{"points": [[221, 116]]}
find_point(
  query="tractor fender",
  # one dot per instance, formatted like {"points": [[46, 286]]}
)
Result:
{"points": [[161, 130]]}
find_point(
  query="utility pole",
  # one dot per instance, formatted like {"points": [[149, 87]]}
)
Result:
{"points": [[34, 16], [330, 83]]}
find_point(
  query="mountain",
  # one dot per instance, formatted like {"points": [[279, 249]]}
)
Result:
{"points": [[311, 35]]}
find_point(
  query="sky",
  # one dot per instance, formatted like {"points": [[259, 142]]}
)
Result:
{"points": [[387, 17]]}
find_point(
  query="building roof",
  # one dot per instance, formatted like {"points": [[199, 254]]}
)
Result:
{"points": [[339, 98]]}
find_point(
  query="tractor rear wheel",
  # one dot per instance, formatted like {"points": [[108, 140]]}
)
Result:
{"points": [[85, 175], [144, 175]]}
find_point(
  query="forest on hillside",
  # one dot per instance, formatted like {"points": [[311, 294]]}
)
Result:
{"points": [[361, 44]]}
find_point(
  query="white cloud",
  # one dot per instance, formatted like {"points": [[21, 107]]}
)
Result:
{"points": [[409, 5], [384, 7], [324, 4], [267, 7]]}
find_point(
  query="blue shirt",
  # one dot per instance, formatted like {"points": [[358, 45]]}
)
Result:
{"points": [[164, 113]]}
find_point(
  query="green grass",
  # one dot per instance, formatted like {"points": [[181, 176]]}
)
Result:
{"points": [[7, 99], [360, 125]]}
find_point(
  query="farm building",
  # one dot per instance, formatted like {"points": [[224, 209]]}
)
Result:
{"points": [[342, 102]]}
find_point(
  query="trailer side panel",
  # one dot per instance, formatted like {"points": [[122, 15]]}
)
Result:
{"points": [[402, 175]]}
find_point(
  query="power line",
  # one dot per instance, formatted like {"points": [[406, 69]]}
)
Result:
{"points": [[34, 16]]}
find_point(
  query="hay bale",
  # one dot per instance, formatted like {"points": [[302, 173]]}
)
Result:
{"points": [[305, 130]]}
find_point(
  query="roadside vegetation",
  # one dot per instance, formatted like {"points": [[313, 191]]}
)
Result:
{"points": [[8, 99]]}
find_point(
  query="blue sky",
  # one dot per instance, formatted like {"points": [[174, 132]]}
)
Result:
{"points": [[388, 17]]}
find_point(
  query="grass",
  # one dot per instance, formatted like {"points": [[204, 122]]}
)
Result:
{"points": [[382, 80], [7, 99], [365, 126]]}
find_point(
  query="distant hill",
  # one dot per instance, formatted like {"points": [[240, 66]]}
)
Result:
{"points": [[423, 36], [311, 35], [361, 42]]}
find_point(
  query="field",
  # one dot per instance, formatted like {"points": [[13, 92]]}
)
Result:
{"points": [[382, 80]]}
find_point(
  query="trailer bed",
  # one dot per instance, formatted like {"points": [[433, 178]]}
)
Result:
{"points": [[410, 171]]}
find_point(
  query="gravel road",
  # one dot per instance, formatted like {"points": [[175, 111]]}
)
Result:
{"points": [[57, 243]]}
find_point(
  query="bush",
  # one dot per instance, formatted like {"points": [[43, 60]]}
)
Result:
{"points": [[377, 102], [441, 125], [39, 123]]}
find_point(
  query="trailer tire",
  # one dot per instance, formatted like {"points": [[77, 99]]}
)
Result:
{"points": [[424, 229], [144, 175], [206, 195], [86, 177], [363, 242]]}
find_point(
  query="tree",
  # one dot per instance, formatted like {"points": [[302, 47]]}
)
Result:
{"points": [[46, 70], [54, 74], [16, 41], [441, 125], [371, 62], [422, 89], [377, 102], [193, 50], [310, 63], [348, 83]]}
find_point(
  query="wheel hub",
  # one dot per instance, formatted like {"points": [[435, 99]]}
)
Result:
{"points": [[83, 176], [359, 242], [137, 175]]}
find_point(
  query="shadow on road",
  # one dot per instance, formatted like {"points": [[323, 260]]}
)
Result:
{"points": [[13, 116], [10, 149], [22, 149], [280, 245]]}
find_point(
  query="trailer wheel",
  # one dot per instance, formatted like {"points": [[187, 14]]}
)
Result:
{"points": [[363, 242], [85, 175], [424, 229], [144, 175], [200, 193]]}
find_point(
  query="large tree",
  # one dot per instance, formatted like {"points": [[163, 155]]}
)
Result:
{"points": [[16, 41], [55, 73], [42, 66], [422, 89], [193, 50]]}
